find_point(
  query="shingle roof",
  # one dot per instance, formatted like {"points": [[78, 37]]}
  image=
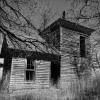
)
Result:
{"points": [[31, 43]]}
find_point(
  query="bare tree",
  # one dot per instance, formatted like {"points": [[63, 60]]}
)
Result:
{"points": [[14, 21], [46, 15], [85, 12]]}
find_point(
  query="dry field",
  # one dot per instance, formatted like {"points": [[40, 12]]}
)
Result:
{"points": [[83, 89]]}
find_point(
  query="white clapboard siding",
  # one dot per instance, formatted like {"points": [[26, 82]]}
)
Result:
{"points": [[17, 79], [67, 70], [67, 75], [43, 73], [17, 73]]}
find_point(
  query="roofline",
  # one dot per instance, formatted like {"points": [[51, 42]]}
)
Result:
{"points": [[33, 54], [70, 25]]}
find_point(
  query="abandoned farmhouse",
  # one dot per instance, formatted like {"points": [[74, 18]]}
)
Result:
{"points": [[30, 67]]}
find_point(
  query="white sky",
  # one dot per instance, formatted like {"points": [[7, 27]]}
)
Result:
{"points": [[57, 6]]}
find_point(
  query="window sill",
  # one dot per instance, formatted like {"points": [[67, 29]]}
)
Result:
{"points": [[30, 82]]}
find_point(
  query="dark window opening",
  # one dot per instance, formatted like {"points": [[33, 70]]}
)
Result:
{"points": [[29, 75], [55, 72], [82, 46], [30, 71]]}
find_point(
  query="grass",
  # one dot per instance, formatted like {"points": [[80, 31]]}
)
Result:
{"points": [[87, 88]]}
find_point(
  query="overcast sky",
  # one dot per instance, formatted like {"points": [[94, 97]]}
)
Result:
{"points": [[58, 6]]}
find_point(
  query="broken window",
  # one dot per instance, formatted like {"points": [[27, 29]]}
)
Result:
{"points": [[55, 72], [30, 71], [82, 46]]}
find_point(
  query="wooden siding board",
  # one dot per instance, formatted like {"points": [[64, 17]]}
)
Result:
{"points": [[43, 73], [67, 69], [17, 73], [17, 79]]}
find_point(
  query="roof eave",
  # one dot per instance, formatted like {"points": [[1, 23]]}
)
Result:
{"points": [[75, 27], [70, 25]]}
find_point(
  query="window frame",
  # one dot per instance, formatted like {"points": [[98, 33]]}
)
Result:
{"points": [[29, 69], [55, 79], [82, 46]]}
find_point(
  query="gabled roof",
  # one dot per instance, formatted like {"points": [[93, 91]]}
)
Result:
{"points": [[31, 43], [34, 44], [69, 25]]}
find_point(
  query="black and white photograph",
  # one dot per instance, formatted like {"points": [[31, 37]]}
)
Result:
{"points": [[49, 49]]}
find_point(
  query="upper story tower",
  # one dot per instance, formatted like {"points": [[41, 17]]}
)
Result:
{"points": [[68, 37]]}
